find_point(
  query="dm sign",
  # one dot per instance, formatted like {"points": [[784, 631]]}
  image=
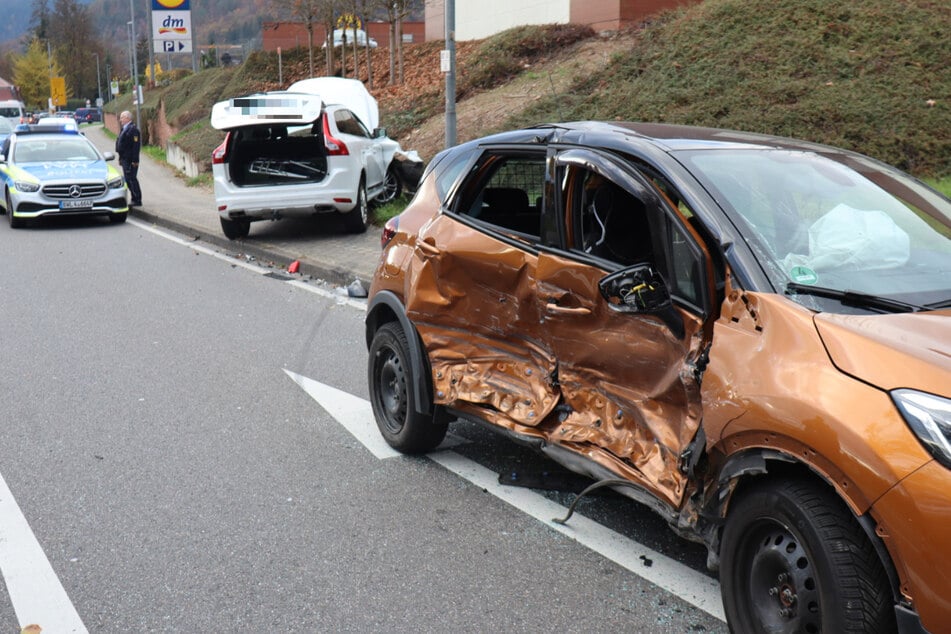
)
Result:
{"points": [[171, 25]]}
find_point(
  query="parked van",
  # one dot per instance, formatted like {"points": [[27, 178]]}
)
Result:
{"points": [[87, 115], [12, 111]]}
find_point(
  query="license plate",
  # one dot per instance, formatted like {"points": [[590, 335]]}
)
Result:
{"points": [[75, 204]]}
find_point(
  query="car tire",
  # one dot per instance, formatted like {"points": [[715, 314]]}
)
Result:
{"points": [[392, 187], [391, 380], [357, 218], [15, 223], [235, 229], [794, 559], [118, 219]]}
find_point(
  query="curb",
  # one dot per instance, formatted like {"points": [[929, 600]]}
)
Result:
{"points": [[273, 257]]}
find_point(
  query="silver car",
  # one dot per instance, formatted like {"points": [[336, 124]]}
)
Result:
{"points": [[56, 171], [312, 149]]}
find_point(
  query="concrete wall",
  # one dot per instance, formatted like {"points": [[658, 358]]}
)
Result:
{"points": [[184, 162], [477, 20]]}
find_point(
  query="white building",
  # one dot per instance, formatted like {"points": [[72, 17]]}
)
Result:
{"points": [[477, 19]]}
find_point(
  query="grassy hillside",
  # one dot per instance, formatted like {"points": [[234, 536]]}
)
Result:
{"points": [[870, 75]]}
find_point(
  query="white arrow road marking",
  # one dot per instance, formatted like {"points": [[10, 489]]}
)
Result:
{"points": [[35, 591], [353, 412], [356, 415]]}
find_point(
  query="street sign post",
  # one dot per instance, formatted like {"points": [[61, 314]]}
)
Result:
{"points": [[58, 91]]}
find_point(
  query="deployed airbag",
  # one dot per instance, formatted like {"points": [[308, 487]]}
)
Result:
{"points": [[846, 237]]}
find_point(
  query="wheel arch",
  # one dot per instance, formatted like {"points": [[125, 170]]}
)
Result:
{"points": [[387, 307], [754, 465]]}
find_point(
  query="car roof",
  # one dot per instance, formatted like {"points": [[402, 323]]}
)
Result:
{"points": [[623, 136], [685, 137]]}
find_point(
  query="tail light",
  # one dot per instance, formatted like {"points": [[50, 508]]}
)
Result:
{"points": [[389, 230], [220, 154], [335, 147]]}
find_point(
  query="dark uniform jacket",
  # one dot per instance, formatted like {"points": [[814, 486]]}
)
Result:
{"points": [[128, 144]]}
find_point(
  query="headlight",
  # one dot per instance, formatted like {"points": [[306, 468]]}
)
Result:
{"points": [[27, 186], [115, 183], [929, 416]]}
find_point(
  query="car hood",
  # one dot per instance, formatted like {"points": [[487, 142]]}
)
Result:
{"points": [[50, 170], [911, 350], [350, 93]]}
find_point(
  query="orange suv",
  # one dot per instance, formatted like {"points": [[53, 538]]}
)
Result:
{"points": [[751, 335]]}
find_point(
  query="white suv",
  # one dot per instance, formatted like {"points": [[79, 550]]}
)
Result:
{"points": [[300, 152]]}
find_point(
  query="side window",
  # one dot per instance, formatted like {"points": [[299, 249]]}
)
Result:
{"points": [[607, 221], [349, 124], [507, 193], [447, 176], [685, 266]]}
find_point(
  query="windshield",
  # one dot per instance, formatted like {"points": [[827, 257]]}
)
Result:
{"points": [[42, 151], [813, 221]]}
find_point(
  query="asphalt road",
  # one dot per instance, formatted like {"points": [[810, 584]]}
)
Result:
{"points": [[173, 474]]}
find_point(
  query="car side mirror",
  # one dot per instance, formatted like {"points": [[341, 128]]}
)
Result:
{"points": [[379, 133], [109, 156], [639, 289]]}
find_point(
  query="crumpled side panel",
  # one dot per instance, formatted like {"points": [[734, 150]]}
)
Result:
{"points": [[475, 310], [515, 380], [646, 431]]}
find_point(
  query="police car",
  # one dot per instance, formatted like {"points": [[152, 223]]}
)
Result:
{"points": [[52, 170]]}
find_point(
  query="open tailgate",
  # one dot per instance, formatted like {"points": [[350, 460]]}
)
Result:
{"points": [[273, 107]]}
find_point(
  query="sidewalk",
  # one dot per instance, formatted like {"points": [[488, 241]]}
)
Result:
{"points": [[321, 246]]}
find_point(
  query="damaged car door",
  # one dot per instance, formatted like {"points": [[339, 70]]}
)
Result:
{"points": [[623, 314], [471, 292], [363, 142]]}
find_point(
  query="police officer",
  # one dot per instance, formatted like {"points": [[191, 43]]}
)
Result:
{"points": [[128, 144]]}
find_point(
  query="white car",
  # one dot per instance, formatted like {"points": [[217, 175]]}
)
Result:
{"points": [[314, 148], [359, 34]]}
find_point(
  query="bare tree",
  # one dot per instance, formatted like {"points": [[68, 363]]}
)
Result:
{"points": [[396, 12], [310, 12], [72, 35], [39, 20], [366, 6]]}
